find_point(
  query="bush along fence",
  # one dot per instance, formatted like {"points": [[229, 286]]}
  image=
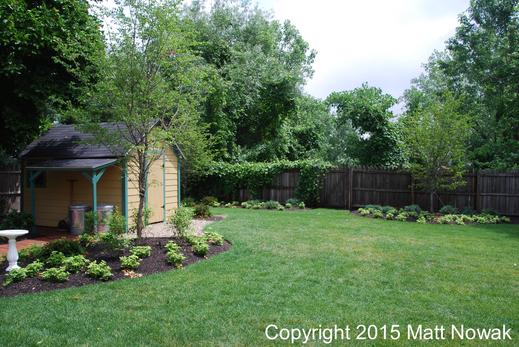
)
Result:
{"points": [[319, 184]]}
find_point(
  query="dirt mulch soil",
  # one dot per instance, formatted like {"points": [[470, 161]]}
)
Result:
{"points": [[156, 262]]}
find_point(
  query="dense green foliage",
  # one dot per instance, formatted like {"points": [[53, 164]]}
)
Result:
{"points": [[50, 53]]}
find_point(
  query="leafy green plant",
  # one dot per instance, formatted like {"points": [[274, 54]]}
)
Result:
{"points": [[130, 262], [175, 258], [413, 208], [90, 222], [17, 220], [88, 240], [202, 211], [34, 268], [378, 214], [116, 223], [390, 216], [281, 208], [114, 242], [448, 209], [141, 251], [14, 276], [188, 202], [288, 205], [373, 207], [32, 252], [75, 263], [65, 246], [468, 211], [210, 201], [402, 217], [55, 259], [181, 219], [293, 201], [99, 270], [489, 211], [200, 248], [172, 246], [193, 239], [301, 205], [271, 205], [387, 209], [213, 238], [55, 274]]}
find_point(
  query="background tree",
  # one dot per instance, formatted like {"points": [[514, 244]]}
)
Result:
{"points": [[49, 54], [436, 137], [143, 89], [375, 140]]}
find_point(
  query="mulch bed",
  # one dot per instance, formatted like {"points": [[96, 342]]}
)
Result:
{"points": [[156, 262]]}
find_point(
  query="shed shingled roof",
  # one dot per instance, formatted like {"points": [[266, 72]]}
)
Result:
{"points": [[66, 141]]}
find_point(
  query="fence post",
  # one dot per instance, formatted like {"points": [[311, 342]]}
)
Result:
{"points": [[350, 188], [477, 203], [412, 189]]}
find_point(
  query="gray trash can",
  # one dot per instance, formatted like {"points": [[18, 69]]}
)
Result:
{"points": [[104, 211], [77, 217]]}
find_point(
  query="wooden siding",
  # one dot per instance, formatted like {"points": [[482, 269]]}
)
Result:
{"points": [[66, 187], [156, 188]]}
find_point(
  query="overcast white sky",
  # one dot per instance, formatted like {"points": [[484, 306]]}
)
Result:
{"points": [[382, 42]]}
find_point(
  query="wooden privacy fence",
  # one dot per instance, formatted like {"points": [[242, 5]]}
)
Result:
{"points": [[354, 187], [10, 188]]}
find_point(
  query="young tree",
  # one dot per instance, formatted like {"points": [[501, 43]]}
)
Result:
{"points": [[147, 89], [436, 138]]}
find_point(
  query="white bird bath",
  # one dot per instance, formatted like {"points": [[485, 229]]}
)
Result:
{"points": [[12, 252]]}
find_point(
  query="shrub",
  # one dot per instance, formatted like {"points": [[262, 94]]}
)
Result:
{"points": [[210, 201], [288, 205], [271, 205], [200, 248], [32, 252], [88, 240], [17, 220], [141, 251], [293, 202], [301, 205], [34, 268], [421, 220], [181, 219], [114, 242], [402, 217], [202, 211], [188, 202], [172, 246], [116, 223], [55, 274], [100, 270], [489, 211], [390, 216], [387, 208], [373, 207], [213, 238], [378, 214], [175, 258], [281, 208], [90, 220], [468, 211], [15, 275], [55, 259], [75, 263], [448, 209], [413, 208], [65, 246], [130, 262], [193, 239]]}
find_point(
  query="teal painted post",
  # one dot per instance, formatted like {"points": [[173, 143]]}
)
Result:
{"points": [[124, 200], [164, 186], [178, 183], [32, 177]]}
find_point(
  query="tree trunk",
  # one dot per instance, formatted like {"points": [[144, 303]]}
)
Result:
{"points": [[142, 195], [432, 201]]}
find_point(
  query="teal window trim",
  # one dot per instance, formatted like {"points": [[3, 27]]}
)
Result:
{"points": [[164, 212], [94, 179]]}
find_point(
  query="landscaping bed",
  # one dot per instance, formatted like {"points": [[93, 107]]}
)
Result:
{"points": [[156, 262]]}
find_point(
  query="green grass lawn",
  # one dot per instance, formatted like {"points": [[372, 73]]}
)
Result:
{"points": [[294, 269]]}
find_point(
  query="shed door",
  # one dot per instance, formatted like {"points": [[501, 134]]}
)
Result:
{"points": [[156, 192]]}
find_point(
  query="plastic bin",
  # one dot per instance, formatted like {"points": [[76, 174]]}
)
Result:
{"points": [[104, 211], [77, 218]]}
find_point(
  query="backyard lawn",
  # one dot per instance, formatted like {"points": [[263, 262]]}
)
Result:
{"points": [[293, 269]]}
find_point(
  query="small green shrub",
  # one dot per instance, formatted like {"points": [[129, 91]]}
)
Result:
{"points": [[378, 214], [188, 202], [34, 268], [489, 211], [55, 274], [373, 207], [413, 208], [271, 205], [293, 202], [99, 270], [65, 246], [468, 211], [193, 239], [55, 259], [130, 262], [281, 208], [301, 205], [90, 222], [390, 216], [402, 217], [210, 201], [172, 246], [88, 240], [213, 238], [421, 220], [202, 211], [75, 263], [288, 205], [448, 209], [181, 219], [175, 258], [141, 251], [114, 242], [14, 276], [17, 220], [200, 248], [387, 208], [32, 253], [116, 223], [364, 211]]}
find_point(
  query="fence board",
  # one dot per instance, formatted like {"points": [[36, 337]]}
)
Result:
{"points": [[10, 188]]}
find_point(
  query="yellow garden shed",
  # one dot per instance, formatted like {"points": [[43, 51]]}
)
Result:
{"points": [[61, 168]]}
